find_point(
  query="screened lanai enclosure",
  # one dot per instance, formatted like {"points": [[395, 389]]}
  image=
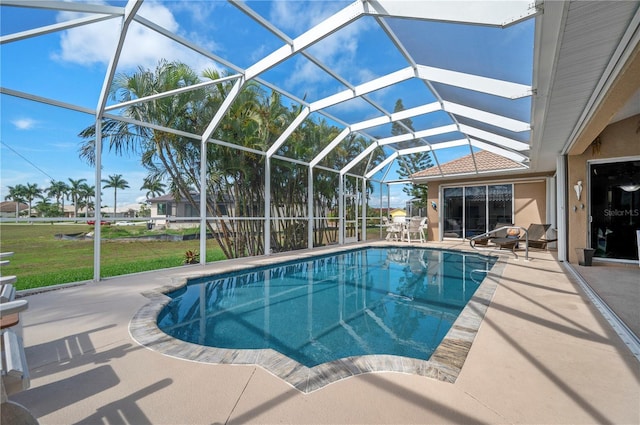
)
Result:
{"points": [[279, 125]]}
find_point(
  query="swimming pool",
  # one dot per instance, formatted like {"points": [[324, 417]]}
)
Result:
{"points": [[374, 301], [445, 364]]}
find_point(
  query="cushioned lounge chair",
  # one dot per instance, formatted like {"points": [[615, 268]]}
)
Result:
{"points": [[535, 237], [499, 234]]}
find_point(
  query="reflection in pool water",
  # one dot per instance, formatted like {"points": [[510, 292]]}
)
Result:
{"points": [[399, 301]]}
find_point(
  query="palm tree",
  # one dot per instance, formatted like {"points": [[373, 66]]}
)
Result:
{"points": [[75, 190], [116, 182], [17, 195], [31, 192], [154, 187], [255, 120], [86, 194], [58, 190]]}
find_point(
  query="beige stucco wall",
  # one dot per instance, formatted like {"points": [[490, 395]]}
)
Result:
{"points": [[530, 204], [618, 140]]}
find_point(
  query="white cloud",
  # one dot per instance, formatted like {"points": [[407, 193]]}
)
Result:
{"points": [[24, 123], [95, 44]]}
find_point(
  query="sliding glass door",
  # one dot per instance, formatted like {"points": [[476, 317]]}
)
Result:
{"points": [[615, 209], [472, 210]]}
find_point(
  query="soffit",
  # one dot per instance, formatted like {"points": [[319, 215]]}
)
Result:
{"points": [[593, 41]]}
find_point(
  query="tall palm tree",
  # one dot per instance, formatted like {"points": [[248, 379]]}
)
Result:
{"points": [[58, 190], [167, 156], [154, 187], [116, 182], [86, 194], [17, 195], [75, 189], [31, 192], [255, 120]]}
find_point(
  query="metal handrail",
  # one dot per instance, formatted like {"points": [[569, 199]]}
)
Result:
{"points": [[472, 241]]}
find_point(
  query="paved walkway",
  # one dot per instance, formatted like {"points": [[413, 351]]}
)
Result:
{"points": [[543, 354]]}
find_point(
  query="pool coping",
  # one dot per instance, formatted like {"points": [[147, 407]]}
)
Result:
{"points": [[444, 365]]}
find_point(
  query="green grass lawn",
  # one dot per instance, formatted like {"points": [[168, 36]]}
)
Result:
{"points": [[41, 259]]}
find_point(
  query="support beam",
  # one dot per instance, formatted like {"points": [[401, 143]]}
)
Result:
{"points": [[477, 83], [203, 201], [341, 221], [285, 135], [66, 6], [61, 26], [310, 212], [418, 134], [267, 206], [397, 116], [358, 158], [325, 28], [494, 138], [130, 11], [514, 156], [97, 228], [487, 117], [172, 92], [373, 85], [383, 164], [226, 104], [335, 142]]}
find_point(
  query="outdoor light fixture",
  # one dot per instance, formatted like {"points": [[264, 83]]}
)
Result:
{"points": [[434, 206]]}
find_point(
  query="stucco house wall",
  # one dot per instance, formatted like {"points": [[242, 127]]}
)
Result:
{"points": [[619, 141], [529, 193]]}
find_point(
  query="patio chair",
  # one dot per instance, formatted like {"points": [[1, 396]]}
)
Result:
{"points": [[414, 228], [394, 229], [423, 228], [14, 372]]}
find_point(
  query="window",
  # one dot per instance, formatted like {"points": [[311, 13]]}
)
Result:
{"points": [[190, 211], [473, 210], [164, 208]]}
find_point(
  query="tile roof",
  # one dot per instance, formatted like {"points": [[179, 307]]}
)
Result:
{"points": [[10, 206], [484, 161]]}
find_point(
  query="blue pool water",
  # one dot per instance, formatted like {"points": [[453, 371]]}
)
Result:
{"points": [[399, 301]]}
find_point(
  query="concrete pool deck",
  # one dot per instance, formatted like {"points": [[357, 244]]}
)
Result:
{"points": [[543, 354]]}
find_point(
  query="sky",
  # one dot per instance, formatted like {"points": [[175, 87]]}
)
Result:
{"points": [[40, 143]]}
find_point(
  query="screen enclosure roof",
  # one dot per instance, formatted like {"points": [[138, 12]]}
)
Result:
{"points": [[449, 78]]}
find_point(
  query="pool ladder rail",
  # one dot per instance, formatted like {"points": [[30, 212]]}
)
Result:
{"points": [[487, 236]]}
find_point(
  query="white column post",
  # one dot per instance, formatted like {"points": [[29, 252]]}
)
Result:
{"points": [[341, 210], [203, 201], [98, 198], [267, 205], [310, 212], [561, 193]]}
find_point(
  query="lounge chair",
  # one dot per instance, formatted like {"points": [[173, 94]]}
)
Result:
{"points": [[501, 232], [535, 237], [538, 236]]}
